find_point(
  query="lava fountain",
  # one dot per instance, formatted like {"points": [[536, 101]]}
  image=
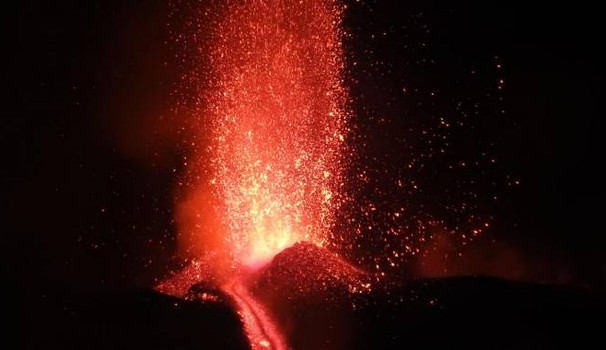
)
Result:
{"points": [[266, 147], [266, 157]]}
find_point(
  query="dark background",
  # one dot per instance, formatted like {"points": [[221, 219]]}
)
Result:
{"points": [[87, 184]]}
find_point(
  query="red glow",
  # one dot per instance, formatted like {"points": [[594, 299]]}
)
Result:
{"points": [[274, 123]]}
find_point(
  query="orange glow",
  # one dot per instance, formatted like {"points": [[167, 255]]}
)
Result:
{"points": [[266, 161]]}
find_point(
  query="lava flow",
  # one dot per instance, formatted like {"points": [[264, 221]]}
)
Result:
{"points": [[267, 148], [259, 327]]}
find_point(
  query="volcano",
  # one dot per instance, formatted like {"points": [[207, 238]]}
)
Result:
{"points": [[305, 271], [308, 297], [464, 312]]}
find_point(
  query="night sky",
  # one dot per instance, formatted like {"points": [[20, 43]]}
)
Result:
{"points": [[89, 158]]}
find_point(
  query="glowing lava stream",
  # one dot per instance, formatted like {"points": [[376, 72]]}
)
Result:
{"points": [[258, 325]]}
